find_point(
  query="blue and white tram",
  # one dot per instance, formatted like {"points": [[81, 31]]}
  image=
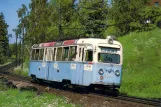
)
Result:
{"points": [[83, 62]]}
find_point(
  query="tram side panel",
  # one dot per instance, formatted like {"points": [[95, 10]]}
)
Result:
{"points": [[72, 71], [79, 72], [38, 69], [76, 73], [88, 74], [59, 71]]}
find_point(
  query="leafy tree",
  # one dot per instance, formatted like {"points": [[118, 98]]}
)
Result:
{"points": [[73, 26], [4, 42], [21, 30], [126, 15], [153, 15], [93, 16], [38, 21], [63, 18]]}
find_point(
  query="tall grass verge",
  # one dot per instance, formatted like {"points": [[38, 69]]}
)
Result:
{"points": [[19, 71], [142, 64], [16, 98]]}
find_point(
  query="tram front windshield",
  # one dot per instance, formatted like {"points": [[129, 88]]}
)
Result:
{"points": [[109, 55], [109, 58]]}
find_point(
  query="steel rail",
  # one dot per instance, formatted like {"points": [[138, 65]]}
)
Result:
{"points": [[113, 95], [154, 102]]}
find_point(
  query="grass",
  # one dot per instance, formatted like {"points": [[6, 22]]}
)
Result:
{"points": [[142, 64], [19, 71], [16, 98]]}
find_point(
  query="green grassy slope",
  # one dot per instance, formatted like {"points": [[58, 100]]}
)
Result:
{"points": [[16, 98], [142, 64]]}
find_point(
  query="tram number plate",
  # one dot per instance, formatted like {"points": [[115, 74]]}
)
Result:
{"points": [[55, 65], [73, 66], [43, 64], [88, 67]]}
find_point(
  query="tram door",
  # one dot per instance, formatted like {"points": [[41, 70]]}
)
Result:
{"points": [[80, 71], [46, 62]]}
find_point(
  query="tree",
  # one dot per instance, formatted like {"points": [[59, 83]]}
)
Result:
{"points": [[93, 16], [4, 42], [63, 19], [38, 21], [21, 29], [152, 15], [126, 15]]}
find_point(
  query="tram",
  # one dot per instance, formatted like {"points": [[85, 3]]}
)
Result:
{"points": [[80, 62]]}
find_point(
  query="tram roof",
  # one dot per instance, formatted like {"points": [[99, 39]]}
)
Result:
{"points": [[92, 41]]}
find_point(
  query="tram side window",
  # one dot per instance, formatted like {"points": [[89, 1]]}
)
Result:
{"points": [[41, 54], [49, 54], [65, 53], [54, 50], [37, 54], [79, 52], [72, 53], [33, 54], [59, 54], [83, 54], [89, 55]]}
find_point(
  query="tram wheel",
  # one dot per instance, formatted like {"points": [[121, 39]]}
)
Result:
{"points": [[90, 88]]}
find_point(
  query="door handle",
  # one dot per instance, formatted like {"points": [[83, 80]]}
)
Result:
{"points": [[58, 70]]}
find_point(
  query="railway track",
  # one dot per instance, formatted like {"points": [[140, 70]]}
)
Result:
{"points": [[153, 102], [96, 94]]}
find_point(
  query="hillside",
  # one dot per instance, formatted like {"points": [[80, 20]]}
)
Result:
{"points": [[142, 64]]}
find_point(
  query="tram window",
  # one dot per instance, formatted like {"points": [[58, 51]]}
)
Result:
{"points": [[41, 53], [72, 53], [109, 58], [45, 56], [49, 54], [59, 54], [37, 54], [54, 50], [33, 55], [79, 52], [65, 53], [89, 55], [83, 54]]}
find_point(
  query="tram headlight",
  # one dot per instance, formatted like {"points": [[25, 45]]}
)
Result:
{"points": [[110, 41], [101, 72], [117, 73]]}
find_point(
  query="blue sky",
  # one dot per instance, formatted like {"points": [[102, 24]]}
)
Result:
{"points": [[9, 9]]}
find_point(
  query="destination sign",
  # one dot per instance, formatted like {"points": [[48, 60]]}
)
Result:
{"points": [[109, 50]]}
